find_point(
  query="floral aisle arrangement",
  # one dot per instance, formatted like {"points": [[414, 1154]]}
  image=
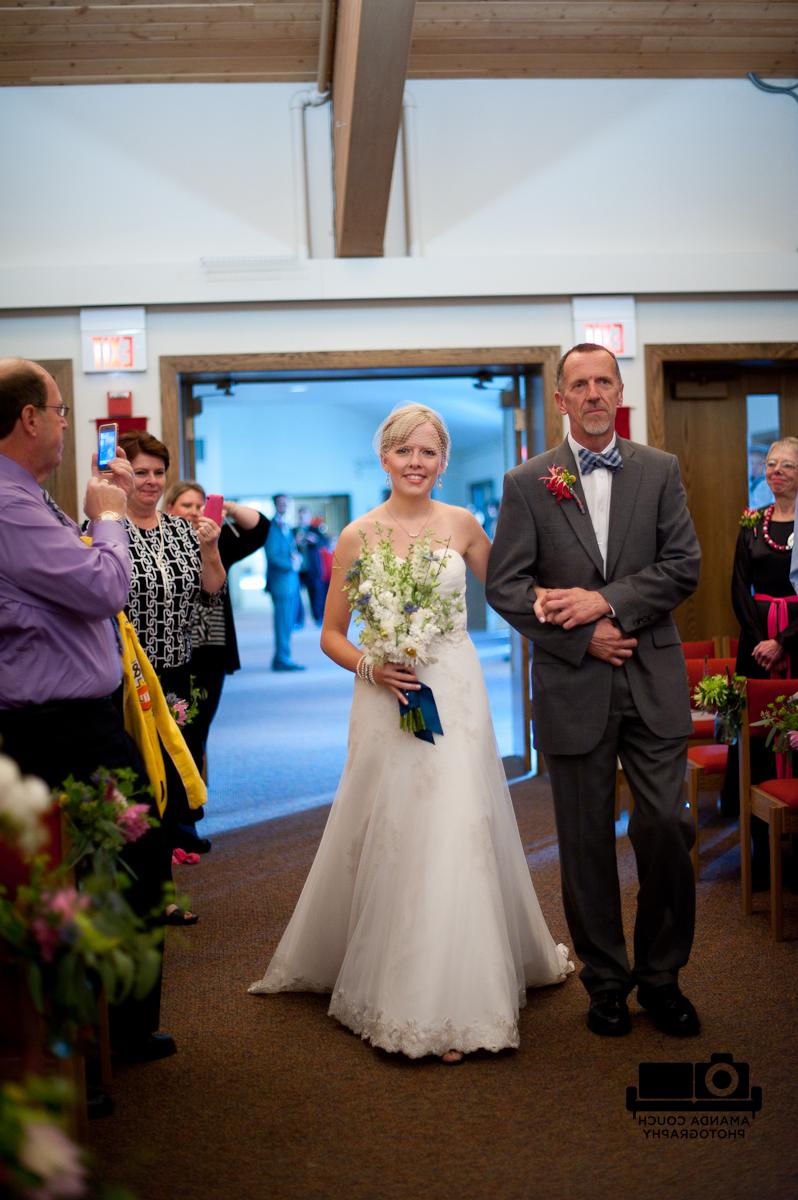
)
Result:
{"points": [[38, 1160], [780, 718], [23, 803], [398, 603], [723, 695], [102, 817], [71, 939]]}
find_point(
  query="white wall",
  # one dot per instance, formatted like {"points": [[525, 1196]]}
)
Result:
{"points": [[527, 187], [267, 328]]}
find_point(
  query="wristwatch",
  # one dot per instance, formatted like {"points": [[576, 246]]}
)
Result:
{"points": [[109, 515]]}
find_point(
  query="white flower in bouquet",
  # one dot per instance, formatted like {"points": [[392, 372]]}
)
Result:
{"points": [[397, 601], [23, 802]]}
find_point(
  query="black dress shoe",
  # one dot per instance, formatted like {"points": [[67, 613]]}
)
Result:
{"points": [[98, 1103], [608, 1015], [670, 1011], [149, 1048], [186, 838]]}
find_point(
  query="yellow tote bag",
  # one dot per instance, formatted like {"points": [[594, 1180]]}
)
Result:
{"points": [[152, 726]]}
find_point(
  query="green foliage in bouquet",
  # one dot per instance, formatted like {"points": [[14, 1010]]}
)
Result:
{"points": [[780, 718], [723, 695], [102, 817]]}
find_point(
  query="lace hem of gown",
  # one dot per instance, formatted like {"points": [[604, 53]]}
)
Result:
{"points": [[407, 1036], [416, 1041]]}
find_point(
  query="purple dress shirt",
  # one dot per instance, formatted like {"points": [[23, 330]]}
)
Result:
{"points": [[56, 597]]}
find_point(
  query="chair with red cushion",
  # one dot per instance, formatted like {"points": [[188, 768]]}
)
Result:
{"points": [[774, 801], [707, 648]]}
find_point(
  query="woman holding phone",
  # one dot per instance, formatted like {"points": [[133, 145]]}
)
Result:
{"points": [[176, 571], [215, 648]]}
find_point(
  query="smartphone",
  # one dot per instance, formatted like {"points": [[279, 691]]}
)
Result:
{"points": [[213, 507], [106, 444]]}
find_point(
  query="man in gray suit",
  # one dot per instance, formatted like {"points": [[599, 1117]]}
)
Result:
{"points": [[594, 548]]}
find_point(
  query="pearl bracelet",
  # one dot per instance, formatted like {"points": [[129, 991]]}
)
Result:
{"points": [[365, 670]]}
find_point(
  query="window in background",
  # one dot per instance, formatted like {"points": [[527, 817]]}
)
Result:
{"points": [[762, 430]]}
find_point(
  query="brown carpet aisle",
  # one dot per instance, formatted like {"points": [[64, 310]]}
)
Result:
{"points": [[268, 1097]]}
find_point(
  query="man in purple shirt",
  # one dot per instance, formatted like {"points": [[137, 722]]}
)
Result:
{"points": [[60, 663]]}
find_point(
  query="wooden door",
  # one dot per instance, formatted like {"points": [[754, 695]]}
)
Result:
{"points": [[706, 427]]}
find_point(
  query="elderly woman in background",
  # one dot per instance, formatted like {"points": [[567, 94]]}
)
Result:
{"points": [[215, 647], [767, 608], [176, 569], [763, 597]]}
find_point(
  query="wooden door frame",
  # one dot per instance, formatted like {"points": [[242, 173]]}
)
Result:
{"points": [[657, 357], [173, 366]]}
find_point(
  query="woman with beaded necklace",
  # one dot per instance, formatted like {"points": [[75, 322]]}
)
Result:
{"points": [[767, 608], [418, 914], [762, 595]]}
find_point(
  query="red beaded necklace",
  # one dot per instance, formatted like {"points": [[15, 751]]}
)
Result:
{"points": [[766, 531]]}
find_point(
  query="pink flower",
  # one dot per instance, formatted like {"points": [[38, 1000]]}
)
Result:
{"points": [[559, 482], [48, 1153], [180, 711], [793, 740], [67, 902], [133, 821], [47, 936]]}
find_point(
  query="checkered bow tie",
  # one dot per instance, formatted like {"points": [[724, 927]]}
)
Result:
{"points": [[610, 460]]}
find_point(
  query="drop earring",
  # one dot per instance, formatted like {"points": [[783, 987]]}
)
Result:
{"points": [[440, 481], [387, 479]]}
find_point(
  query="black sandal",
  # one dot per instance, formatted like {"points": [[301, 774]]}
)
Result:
{"points": [[180, 916]]}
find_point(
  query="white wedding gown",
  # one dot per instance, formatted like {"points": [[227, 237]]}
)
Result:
{"points": [[419, 914]]}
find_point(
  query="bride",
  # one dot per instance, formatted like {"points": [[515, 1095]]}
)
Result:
{"points": [[418, 914]]}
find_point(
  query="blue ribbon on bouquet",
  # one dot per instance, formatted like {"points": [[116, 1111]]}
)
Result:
{"points": [[420, 715]]}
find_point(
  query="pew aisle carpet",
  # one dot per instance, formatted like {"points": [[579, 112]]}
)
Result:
{"points": [[268, 1097]]}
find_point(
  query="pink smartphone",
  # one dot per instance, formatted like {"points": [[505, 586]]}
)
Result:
{"points": [[213, 507]]}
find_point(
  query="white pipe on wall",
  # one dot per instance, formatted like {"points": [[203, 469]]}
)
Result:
{"points": [[299, 103]]}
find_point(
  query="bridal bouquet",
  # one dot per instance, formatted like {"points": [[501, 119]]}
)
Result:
{"points": [[398, 603]]}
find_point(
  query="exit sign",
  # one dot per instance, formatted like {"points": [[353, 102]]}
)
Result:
{"points": [[113, 339], [606, 321]]}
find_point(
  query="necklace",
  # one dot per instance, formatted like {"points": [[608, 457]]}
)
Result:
{"points": [[766, 531], [404, 527], [154, 552]]}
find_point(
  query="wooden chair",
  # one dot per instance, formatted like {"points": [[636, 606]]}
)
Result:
{"points": [[774, 801], [706, 759]]}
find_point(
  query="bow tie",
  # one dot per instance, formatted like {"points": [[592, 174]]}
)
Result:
{"points": [[610, 460]]}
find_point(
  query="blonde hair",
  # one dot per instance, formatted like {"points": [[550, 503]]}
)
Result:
{"points": [[174, 492], [398, 426]]}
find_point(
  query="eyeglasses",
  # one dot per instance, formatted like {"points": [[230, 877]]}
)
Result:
{"points": [[61, 409], [772, 463]]}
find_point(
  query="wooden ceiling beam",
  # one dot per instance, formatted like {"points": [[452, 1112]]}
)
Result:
{"points": [[372, 46]]}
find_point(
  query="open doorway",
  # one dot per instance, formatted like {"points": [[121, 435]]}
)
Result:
{"points": [[309, 434]]}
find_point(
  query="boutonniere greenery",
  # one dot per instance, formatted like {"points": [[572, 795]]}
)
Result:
{"points": [[560, 482], [750, 518]]}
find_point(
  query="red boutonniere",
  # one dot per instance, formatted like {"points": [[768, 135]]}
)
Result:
{"points": [[559, 482]]}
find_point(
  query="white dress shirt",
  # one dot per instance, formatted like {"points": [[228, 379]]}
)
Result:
{"points": [[597, 487]]}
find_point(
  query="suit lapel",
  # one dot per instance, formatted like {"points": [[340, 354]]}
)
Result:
{"points": [[625, 485], [579, 520]]}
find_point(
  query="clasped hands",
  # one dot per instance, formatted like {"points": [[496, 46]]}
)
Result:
{"points": [[569, 607], [768, 653]]}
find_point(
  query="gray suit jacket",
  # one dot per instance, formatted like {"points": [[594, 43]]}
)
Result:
{"points": [[653, 561]]}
